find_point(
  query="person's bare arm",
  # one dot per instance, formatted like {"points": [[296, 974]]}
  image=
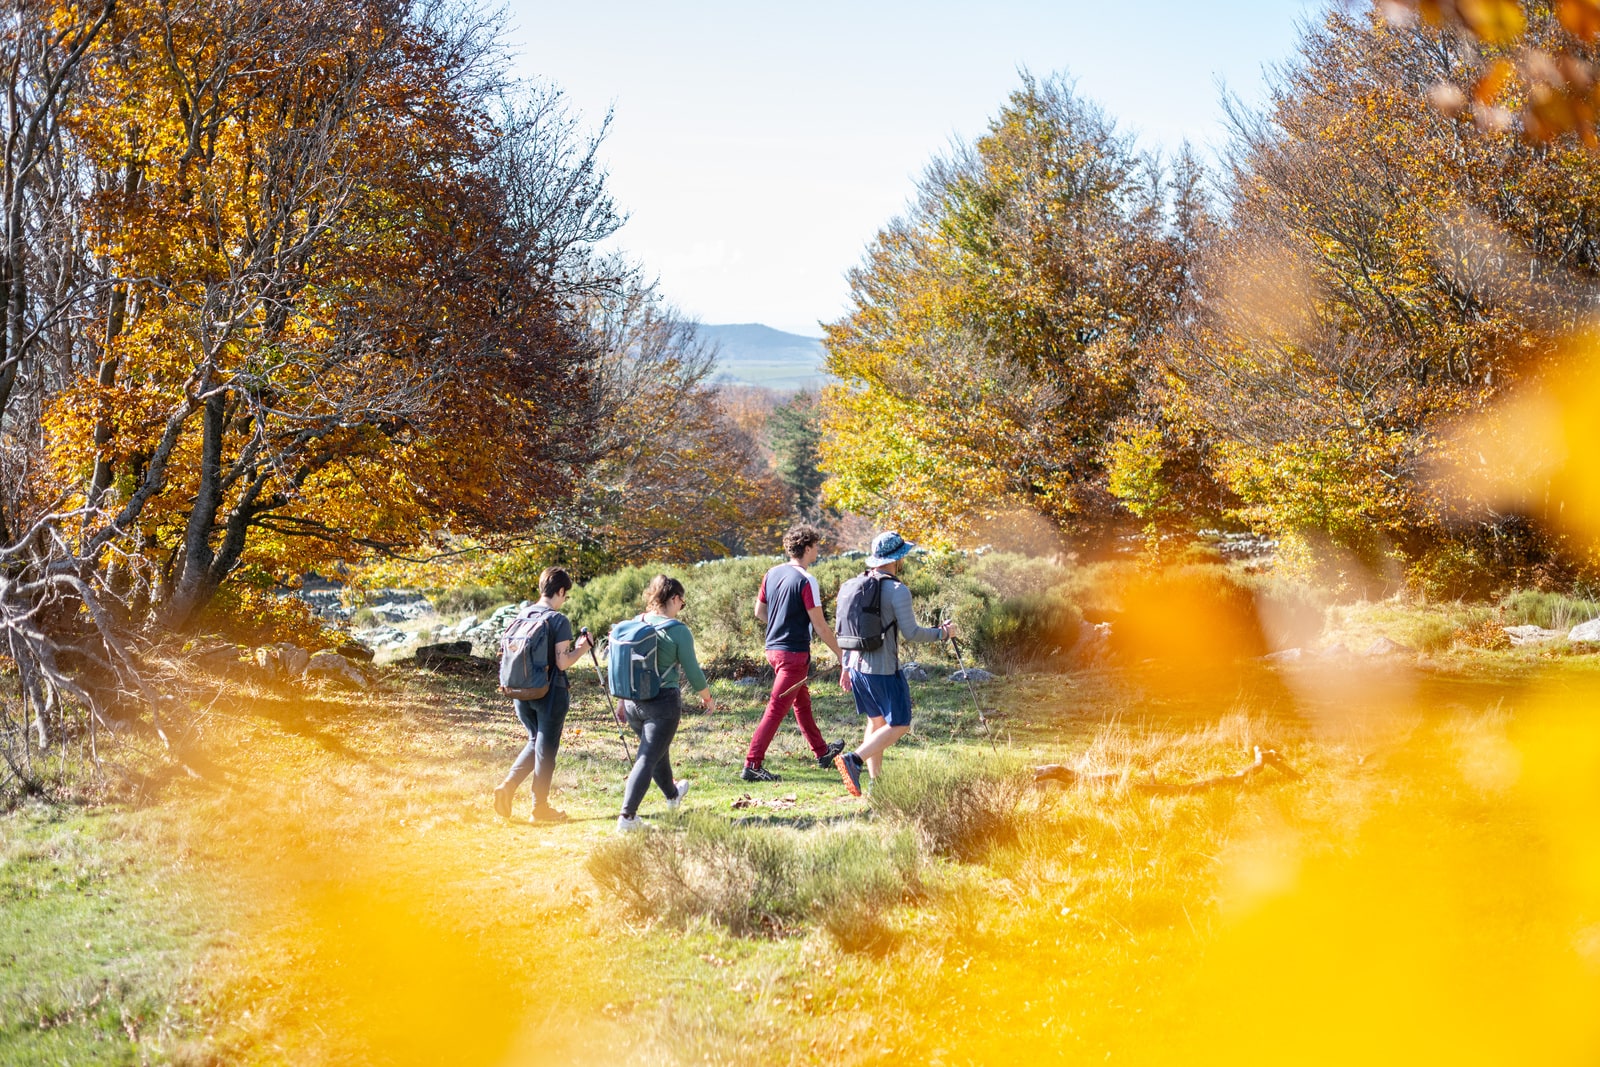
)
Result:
{"points": [[761, 609], [570, 652], [819, 623]]}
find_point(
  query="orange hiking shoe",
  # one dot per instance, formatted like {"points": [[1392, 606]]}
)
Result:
{"points": [[849, 766]]}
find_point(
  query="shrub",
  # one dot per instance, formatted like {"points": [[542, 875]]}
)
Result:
{"points": [[961, 806], [758, 880], [474, 597], [1553, 611]]}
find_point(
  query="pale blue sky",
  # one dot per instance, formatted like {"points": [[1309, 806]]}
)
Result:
{"points": [[759, 147]]}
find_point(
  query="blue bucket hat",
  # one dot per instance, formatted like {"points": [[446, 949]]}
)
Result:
{"points": [[888, 547]]}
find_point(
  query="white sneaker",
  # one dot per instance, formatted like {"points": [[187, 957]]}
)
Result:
{"points": [[624, 824], [683, 791]]}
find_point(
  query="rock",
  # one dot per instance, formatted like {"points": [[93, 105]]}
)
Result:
{"points": [[1585, 631], [429, 655], [355, 650], [335, 668], [1385, 647], [971, 674], [1094, 642], [1337, 650], [267, 658], [1284, 655], [747, 683], [914, 672], [1531, 635], [221, 657]]}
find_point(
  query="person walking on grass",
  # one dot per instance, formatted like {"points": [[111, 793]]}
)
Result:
{"points": [[545, 717], [874, 613], [656, 720], [790, 604]]}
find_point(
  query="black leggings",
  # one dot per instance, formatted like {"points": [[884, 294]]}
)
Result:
{"points": [[655, 721]]}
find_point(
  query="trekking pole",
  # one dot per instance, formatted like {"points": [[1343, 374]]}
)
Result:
{"points": [[988, 731], [606, 689]]}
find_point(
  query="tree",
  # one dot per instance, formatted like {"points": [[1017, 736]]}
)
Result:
{"points": [[795, 434], [286, 283], [997, 331], [1383, 271]]}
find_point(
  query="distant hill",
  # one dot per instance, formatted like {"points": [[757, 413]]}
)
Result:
{"points": [[752, 354]]}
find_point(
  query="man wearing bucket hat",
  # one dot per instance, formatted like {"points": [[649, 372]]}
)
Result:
{"points": [[874, 613]]}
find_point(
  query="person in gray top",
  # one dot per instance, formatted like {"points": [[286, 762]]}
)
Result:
{"points": [[873, 678]]}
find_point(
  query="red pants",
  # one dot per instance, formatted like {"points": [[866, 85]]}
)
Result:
{"points": [[792, 667]]}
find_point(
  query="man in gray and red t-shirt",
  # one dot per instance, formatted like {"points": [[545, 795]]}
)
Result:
{"points": [[790, 603]]}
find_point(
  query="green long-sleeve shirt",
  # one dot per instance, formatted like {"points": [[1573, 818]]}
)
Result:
{"points": [[676, 649]]}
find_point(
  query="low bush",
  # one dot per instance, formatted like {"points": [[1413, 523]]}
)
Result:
{"points": [[759, 880], [960, 807], [472, 597], [1553, 611]]}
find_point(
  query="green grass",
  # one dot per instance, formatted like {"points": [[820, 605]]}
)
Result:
{"points": [[99, 936], [335, 889]]}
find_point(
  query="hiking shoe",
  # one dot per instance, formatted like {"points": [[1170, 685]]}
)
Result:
{"points": [[545, 813], [849, 766], [830, 754], [683, 789], [502, 801], [758, 774], [625, 824]]}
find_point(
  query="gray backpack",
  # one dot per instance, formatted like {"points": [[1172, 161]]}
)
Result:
{"points": [[527, 656]]}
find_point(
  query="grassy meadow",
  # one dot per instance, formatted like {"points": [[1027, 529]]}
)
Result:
{"points": [[326, 882]]}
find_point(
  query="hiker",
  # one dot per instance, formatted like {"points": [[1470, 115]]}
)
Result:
{"points": [[790, 604], [544, 717], [874, 613], [655, 719]]}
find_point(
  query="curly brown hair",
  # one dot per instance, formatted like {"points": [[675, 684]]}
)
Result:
{"points": [[802, 537], [661, 589]]}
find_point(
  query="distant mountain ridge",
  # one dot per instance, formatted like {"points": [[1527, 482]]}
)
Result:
{"points": [[752, 354]]}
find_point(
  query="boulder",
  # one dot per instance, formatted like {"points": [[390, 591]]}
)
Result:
{"points": [[914, 672], [429, 655], [335, 668], [221, 657], [1385, 647], [1337, 650], [747, 683], [355, 650], [971, 674], [1531, 635], [1585, 631]]}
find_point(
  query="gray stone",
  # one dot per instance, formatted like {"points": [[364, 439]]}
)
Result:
{"points": [[1531, 635], [971, 674], [428, 655], [747, 683], [914, 672], [222, 657], [1585, 631], [1385, 647], [335, 668], [1337, 650], [355, 650]]}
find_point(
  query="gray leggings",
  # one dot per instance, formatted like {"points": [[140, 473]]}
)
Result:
{"points": [[655, 721]]}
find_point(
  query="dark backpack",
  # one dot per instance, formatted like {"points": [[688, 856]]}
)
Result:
{"points": [[859, 615], [527, 656], [633, 659]]}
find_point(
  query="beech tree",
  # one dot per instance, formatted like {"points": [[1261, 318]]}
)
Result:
{"points": [[996, 332]]}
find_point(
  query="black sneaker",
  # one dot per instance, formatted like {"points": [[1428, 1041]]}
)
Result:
{"points": [[502, 801], [758, 774], [830, 754], [850, 770], [545, 813]]}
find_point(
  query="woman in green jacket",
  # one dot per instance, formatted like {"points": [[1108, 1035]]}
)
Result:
{"points": [[656, 721]]}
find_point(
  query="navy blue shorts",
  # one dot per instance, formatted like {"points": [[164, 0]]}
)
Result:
{"points": [[882, 696]]}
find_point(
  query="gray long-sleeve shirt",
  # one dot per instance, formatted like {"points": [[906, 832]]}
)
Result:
{"points": [[896, 608]]}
